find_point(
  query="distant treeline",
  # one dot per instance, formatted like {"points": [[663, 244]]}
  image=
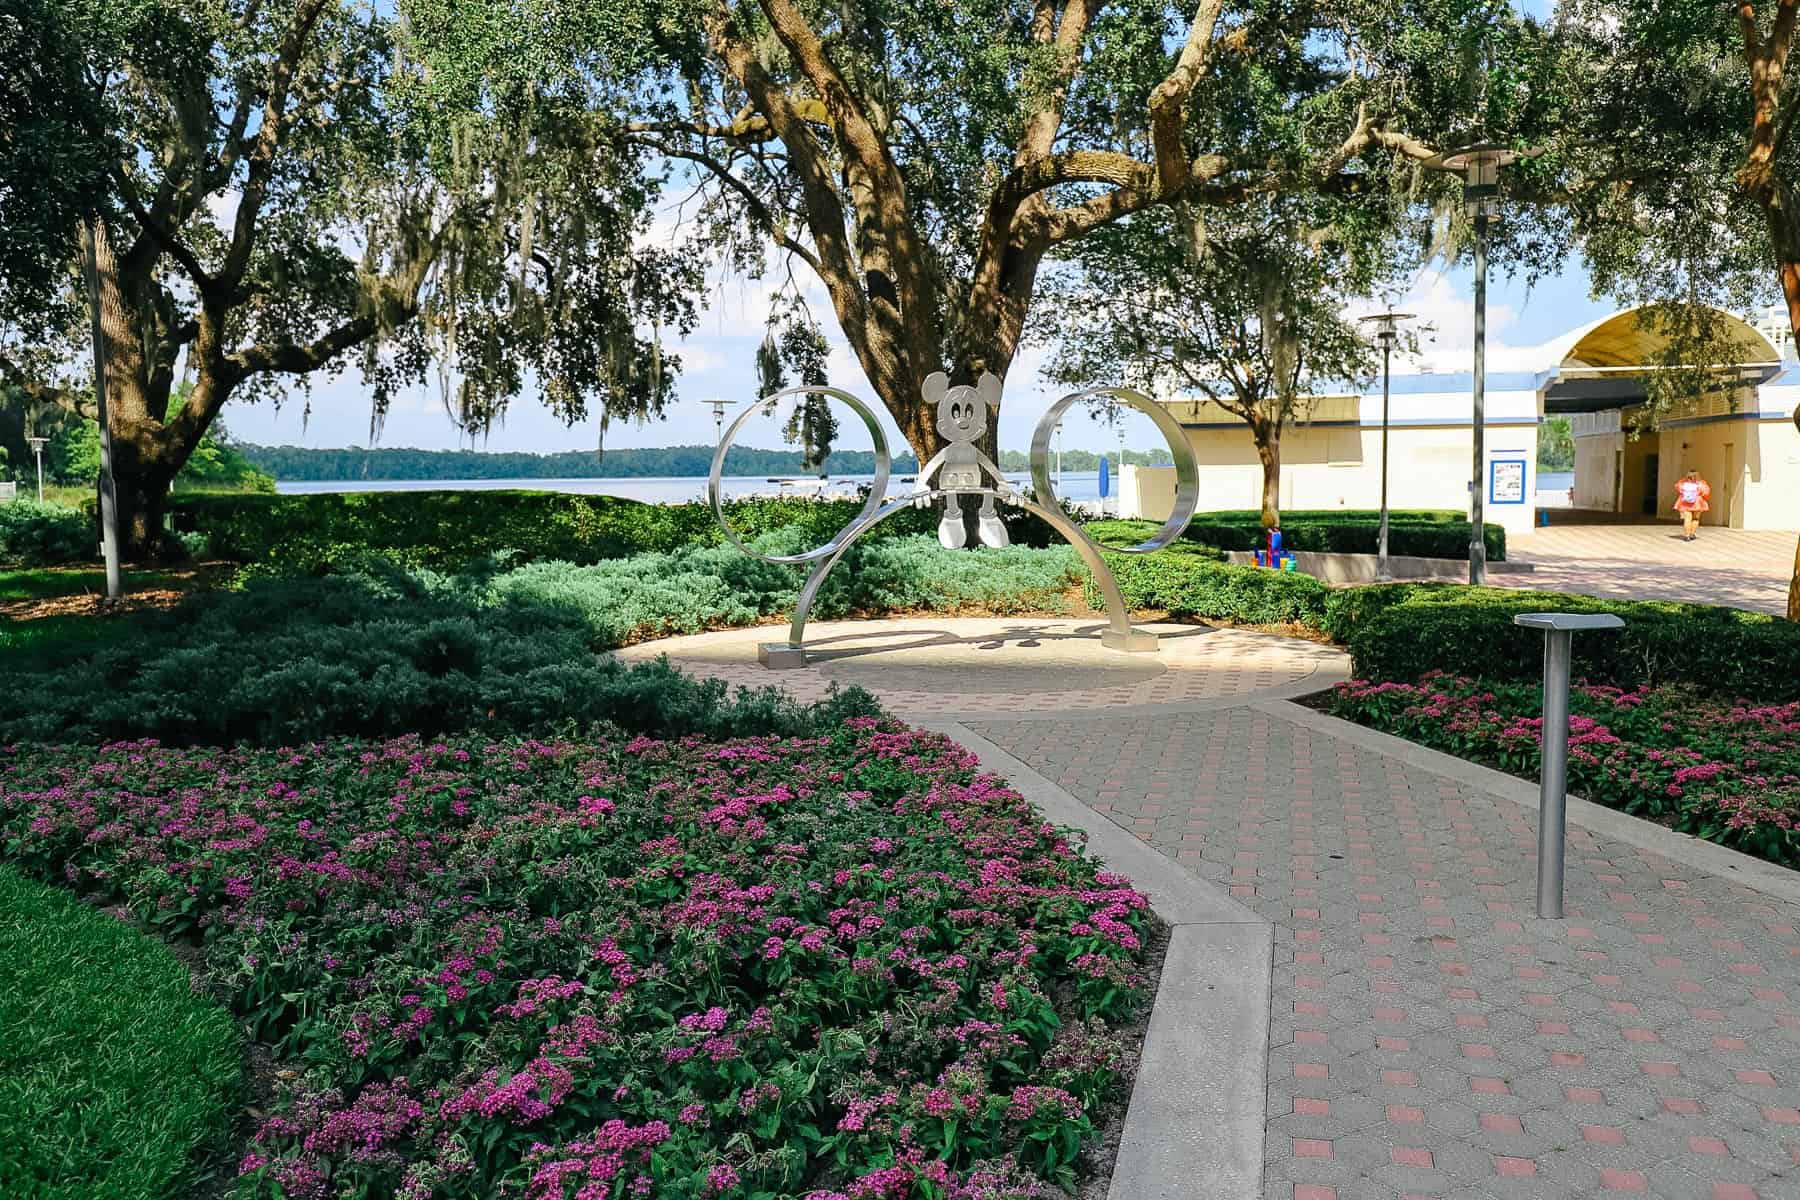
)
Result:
{"points": [[399, 462]]}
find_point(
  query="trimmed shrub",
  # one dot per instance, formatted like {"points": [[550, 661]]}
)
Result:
{"points": [[1726, 772], [306, 535], [844, 965], [1422, 533], [44, 535], [1401, 631], [1190, 586], [113, 1073]]}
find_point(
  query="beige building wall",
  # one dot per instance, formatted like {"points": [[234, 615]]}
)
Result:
{"points": [[1339, 467], [1752, 465]]}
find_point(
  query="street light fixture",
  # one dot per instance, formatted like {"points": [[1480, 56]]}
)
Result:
{"points": [[1385, 328], [1479, 165], [37, 448]]}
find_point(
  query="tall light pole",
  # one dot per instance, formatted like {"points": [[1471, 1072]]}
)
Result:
{"points": [[95, 247], [1479, 165], [37, 448], [1386, 329]]}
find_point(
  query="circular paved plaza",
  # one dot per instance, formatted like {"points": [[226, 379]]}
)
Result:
{"points": [[929, 666]]}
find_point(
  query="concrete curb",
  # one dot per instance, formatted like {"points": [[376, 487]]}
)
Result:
{"points": [[1199, 1109], [1706, 857]]}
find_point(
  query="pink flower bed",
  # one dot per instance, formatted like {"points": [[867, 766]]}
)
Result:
{"points": [[1728, 772], [842, 968]]}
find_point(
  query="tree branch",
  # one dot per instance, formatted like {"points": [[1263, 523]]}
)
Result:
{"points": [[1168, 101], [162, 236], [43, 393], [758, 209], [268, 140]]}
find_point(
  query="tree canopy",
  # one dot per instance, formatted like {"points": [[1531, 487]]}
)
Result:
{"points": [[923, 161], [287, 189]]}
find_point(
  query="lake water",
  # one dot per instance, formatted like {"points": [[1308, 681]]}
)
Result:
{"points": [[1075, 485]]}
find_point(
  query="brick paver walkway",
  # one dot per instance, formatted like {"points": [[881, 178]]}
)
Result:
{"points": [[1737, 567], [1428, 1036]]}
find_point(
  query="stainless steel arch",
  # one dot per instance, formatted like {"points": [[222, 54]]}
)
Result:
{"points": [[1187, 470], [1118, 635], [877, 493]]}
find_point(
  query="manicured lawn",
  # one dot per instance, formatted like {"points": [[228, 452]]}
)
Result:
{"points": [[1725, 771], [831, 966], [43, 583], [112, 1071]]}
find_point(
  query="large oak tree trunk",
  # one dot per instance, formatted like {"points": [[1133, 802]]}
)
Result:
{"points": [[145, 457]]}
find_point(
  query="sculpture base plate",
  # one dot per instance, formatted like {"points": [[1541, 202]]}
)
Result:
{"points": [[779, 656], [1131, 641]]}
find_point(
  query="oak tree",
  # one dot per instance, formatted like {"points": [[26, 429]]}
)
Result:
{"points": [[279, 194]]}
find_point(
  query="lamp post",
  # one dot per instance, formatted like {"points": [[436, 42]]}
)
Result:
{"points": [[1386, 329], [1479, 165], [37, 448], [718, 407]]}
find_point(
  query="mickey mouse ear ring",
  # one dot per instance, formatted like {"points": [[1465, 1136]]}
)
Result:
{"points": [[715, 491], [1187, 471]]}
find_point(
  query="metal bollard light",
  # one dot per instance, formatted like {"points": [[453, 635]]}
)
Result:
{"points": [[1553, 780]]}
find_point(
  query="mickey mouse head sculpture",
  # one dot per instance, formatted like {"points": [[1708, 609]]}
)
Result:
{"points": [[962, 417]]}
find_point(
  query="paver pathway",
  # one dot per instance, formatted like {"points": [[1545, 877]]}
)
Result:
{"points": [[1428, 1036], [1737, 567]]}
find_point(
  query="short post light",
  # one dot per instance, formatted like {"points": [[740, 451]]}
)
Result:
{"points": [[1553, 777], [1385, 328], [1479, 165], [37, 448]]}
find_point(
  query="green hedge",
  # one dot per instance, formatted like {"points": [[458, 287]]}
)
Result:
{"points": [[112, 1071], [301, 534], [44, 535], [1401, 631], [1190, 586], [1422, 533]]}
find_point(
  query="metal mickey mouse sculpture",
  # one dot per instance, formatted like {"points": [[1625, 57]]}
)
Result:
{"points": [[962, 417], [961, 470]]}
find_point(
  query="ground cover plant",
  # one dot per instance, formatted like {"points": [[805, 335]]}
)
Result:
{"points": [[381, 649], [842, 966], [1725, 771], [112, 1070]]}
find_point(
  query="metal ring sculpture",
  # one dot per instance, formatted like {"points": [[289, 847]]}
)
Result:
{"points": [[1046, 505]]}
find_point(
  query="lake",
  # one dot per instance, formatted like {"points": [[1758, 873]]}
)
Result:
{"points": [[1076, 485]]}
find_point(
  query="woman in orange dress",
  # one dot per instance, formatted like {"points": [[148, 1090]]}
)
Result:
{"points": [[1691, 496]]}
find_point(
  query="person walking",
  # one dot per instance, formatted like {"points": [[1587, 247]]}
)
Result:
{"points": [[1691, 496]]}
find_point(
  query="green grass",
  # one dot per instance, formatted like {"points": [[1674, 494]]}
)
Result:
{"points": [[112, 1071], [44, 583]]}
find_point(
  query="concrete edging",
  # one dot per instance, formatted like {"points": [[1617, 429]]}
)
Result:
{"points": [[1707, 857], [1198, 1112]]}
